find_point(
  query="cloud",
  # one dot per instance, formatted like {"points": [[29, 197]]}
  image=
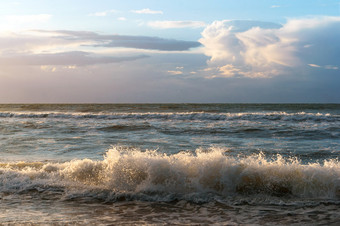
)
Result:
{"points": [[38, 46], [166, 24], [331, 67], [76, 58], [314, 65], [29, 18], [147, 11], [328, 67], [138, 42], [47, 68], [103, 13], [228, 70], [121, 18], [15, 22], [175, 72], [66, 47], [262, 49], [152, 43], [178, 71]]}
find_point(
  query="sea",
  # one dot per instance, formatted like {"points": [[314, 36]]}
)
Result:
{"points": [[169, 164]]}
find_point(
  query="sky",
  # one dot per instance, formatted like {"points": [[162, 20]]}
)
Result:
{"points": [[152, 51]]}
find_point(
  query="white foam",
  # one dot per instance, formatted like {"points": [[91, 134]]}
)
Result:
{"points": [[196, 176], [275, 115]]}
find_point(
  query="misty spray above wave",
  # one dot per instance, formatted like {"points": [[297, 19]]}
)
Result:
{"points": [[127, 173]]}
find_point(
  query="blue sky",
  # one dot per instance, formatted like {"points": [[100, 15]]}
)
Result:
{"points": [[169, 51]]}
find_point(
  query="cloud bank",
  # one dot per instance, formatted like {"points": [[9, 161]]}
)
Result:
{"points": [[260, 49], [65, 47], [151, 43], [126, 41]]}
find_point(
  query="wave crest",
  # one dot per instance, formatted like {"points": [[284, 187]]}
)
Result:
{"points": [[299, 116], [205, 173]]}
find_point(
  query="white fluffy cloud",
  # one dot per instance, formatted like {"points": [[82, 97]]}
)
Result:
{"points": [[166, 24], [262, 49]]}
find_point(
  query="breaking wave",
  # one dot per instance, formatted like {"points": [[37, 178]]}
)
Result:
{"points": [[202, 176], [300, 116]]}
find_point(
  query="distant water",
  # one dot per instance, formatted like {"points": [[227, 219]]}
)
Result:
{"points": [[224, 164]]}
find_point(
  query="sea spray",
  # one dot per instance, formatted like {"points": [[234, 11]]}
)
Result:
{"points": [[205, 174]]}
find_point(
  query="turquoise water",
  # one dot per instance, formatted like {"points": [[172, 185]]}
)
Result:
{"points": [[170, 163]]}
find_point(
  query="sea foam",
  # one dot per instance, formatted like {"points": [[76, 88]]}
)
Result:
{"points": [[127, 173], [274, 115]]}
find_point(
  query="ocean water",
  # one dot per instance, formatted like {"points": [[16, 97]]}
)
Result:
{"points": [[158, 164]]}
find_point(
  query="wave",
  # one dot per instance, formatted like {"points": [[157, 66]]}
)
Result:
{"points": [[125, 127], [132, 174], [284, 116]]}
